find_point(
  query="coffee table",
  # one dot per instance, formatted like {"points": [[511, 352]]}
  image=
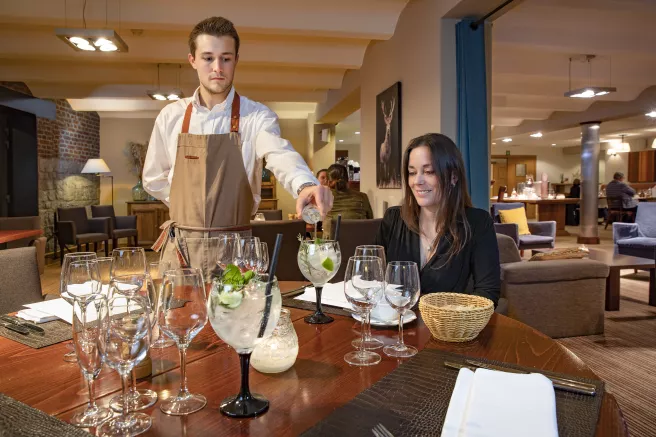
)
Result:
{"points": [[617, 262]]}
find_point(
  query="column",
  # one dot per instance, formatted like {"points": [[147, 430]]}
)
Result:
{"points": [[589, 230]]}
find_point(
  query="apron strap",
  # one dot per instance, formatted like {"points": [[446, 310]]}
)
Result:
{"points": [[187, 119], [234, 116]]}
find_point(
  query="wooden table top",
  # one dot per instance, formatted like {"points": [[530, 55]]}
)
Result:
{"points": [[319, 382], [7, 236]]}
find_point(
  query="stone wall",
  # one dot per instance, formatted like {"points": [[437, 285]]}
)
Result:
{"points": [[64, 145]]}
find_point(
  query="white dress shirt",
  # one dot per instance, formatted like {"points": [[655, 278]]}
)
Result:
{"points": [[260, 137]]}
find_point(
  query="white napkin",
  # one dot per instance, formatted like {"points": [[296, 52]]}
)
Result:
{"points": [[487, 403], [35, 316], [332, 294], [55, 307]]}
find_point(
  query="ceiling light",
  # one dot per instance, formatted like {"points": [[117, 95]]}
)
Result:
{"points": [[173, 96], [651, 114], [552, 145], [160, 94], [341, 141], [107, 40], [494, 144], [358, 132], [622, 147], [537, 135], [507, 140], [589, 91]]}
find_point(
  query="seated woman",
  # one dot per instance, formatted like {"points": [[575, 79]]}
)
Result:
{"points": [[350, 204], [453, 244]]}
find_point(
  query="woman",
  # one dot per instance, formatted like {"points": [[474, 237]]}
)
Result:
{"points": [[575, 191], [350, 204], [453, 244]]}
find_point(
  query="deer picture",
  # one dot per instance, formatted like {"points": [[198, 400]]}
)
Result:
{"points": [[386, 146]]}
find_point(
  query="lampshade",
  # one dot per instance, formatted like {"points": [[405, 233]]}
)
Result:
{"points": [[96, 166], [653, 144]]}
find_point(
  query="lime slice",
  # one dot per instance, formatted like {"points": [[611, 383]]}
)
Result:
{"points": [[328, 264]]}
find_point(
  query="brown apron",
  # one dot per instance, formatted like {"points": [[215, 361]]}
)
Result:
{"points": [[210, 195]]}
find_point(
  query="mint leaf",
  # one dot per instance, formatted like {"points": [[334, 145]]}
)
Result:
{"points": [[248, 276]]}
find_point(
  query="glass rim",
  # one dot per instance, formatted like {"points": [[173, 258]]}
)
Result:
{"points": [[365, 258], [123, 278], [104, 258], [368, 246], [80, 254], [80, 262], [181, 272], [318, 244], [131, 249], [401, 263]]}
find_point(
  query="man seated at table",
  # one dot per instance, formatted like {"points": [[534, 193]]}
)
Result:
{"points": [[620, 194]]}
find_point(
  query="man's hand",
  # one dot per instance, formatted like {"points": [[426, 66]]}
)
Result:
{"points": [[321, 195]]}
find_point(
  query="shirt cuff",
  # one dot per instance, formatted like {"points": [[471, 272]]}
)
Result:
{"points": [[300, 180]]}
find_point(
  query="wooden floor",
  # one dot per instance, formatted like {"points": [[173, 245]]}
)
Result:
{"points": [[625, 356]]}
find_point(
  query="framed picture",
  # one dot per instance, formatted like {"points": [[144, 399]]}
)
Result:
{"points": [[388, 137], [520, 170]]}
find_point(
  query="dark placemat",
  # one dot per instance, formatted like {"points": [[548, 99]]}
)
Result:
{"points": [[20, 420], [413, 399], [56, 332], [311, 306]]}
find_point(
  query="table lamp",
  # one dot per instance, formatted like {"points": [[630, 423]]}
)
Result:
{"points": [[99, 167]]}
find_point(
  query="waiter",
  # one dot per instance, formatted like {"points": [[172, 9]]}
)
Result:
{"points": [[205, 155]]}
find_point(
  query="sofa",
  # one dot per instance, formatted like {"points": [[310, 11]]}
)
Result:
{"points": [[639, 238]]}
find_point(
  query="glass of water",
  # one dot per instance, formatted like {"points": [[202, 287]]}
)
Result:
{"points": [[402, 289]]}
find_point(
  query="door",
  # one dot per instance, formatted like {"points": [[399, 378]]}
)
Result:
{"points": [[499, 176]]}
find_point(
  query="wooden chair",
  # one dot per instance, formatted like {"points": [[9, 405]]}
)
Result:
{"points": [[616, 211], [502, 193]]}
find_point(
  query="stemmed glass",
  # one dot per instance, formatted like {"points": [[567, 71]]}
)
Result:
{"points": [[126, 339], [263, 265], [105, 270], [182, 322], [249, 258], [402, 292], [370, 343], [128, 261], [243, 316], [87, 334], [68, 258], [363, 287], [229, 251], [154, 279], [319, 261]]}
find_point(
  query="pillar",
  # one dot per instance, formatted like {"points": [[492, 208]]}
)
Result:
{"points": [[589, 229]]}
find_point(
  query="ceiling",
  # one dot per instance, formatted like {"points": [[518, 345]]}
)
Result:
{"points": [[292, 51], [531, 47], [345, 131]]}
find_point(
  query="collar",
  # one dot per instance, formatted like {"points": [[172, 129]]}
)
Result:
{"points": [[226, 105]]}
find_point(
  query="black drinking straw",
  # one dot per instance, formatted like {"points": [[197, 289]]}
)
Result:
{"points": [[339, 221], [269, 296]]}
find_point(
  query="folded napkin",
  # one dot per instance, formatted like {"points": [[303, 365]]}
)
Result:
{"points": [[332, 294], [35, 316], [487, 403]]}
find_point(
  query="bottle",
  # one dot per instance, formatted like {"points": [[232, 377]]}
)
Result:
{"points": [[311, 214]]}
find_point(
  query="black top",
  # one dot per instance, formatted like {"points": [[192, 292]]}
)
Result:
{"points": [[575, 191], [475, 270]]}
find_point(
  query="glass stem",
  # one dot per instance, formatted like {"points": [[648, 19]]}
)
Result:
{"points": [[363, 332], [244, 361], [183, 372], [318, 291], [367, 325], [401, 344], [91, 406], [133, 380], [124, 383]]}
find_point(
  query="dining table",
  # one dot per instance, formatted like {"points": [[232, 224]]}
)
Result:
{"points": [[319, 382], [7, 236]]}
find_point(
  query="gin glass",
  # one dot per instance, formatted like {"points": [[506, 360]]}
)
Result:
{"points": [[244, 316], [319, 261]]}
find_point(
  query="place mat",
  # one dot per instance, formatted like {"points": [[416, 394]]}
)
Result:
{"points": [[413, 399], [311, 306], [56, 332], [20, 420]]}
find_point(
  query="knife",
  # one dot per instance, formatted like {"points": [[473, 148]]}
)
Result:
{"points": [[15, 328], [16, 321], [566, 384]]}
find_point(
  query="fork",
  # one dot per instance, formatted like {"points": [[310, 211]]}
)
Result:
{"points": [[380, 431]]}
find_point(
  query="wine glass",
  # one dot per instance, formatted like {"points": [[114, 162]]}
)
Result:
{"points": [[249, 257], [363, 287], [370, 343], [105, 270], [319, 261], [263, 265], [182, 322], [402, 292], [154, 280], [88, 317], [69, 357], [128, 261], [229, 251], [125, 343], [243, 316], [132, 285]]}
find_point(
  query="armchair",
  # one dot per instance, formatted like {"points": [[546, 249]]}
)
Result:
{"points": [[560, 298], [120, 226], [73, 227], [639, 238], [543, 234]]}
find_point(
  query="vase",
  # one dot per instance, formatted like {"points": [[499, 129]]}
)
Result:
{"points": [[138, 192]]}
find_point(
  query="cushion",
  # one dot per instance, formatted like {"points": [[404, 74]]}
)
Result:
{"points": [[516, 216], [646, 219], [535, 239], [553, 271], [91, 238], [640, 242]]}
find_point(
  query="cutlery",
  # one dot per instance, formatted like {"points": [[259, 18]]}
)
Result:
{"points": [[380, 431], [16, 321], [559, 383], [15, 328]]}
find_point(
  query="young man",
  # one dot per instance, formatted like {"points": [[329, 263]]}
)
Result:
{"points": [[205, 154]]}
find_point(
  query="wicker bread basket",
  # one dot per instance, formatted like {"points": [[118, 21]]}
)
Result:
{"points": [[455, 324]]}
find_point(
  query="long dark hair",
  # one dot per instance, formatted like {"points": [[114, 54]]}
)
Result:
{"points": [[338, 174], [452, 187]]}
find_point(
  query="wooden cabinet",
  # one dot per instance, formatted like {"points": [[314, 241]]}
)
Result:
{"points": [[642, 166], [269, 199], [150, 216]]}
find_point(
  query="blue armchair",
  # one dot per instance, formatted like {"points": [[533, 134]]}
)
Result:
{"points": [[543, 234], [639, 238]]}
